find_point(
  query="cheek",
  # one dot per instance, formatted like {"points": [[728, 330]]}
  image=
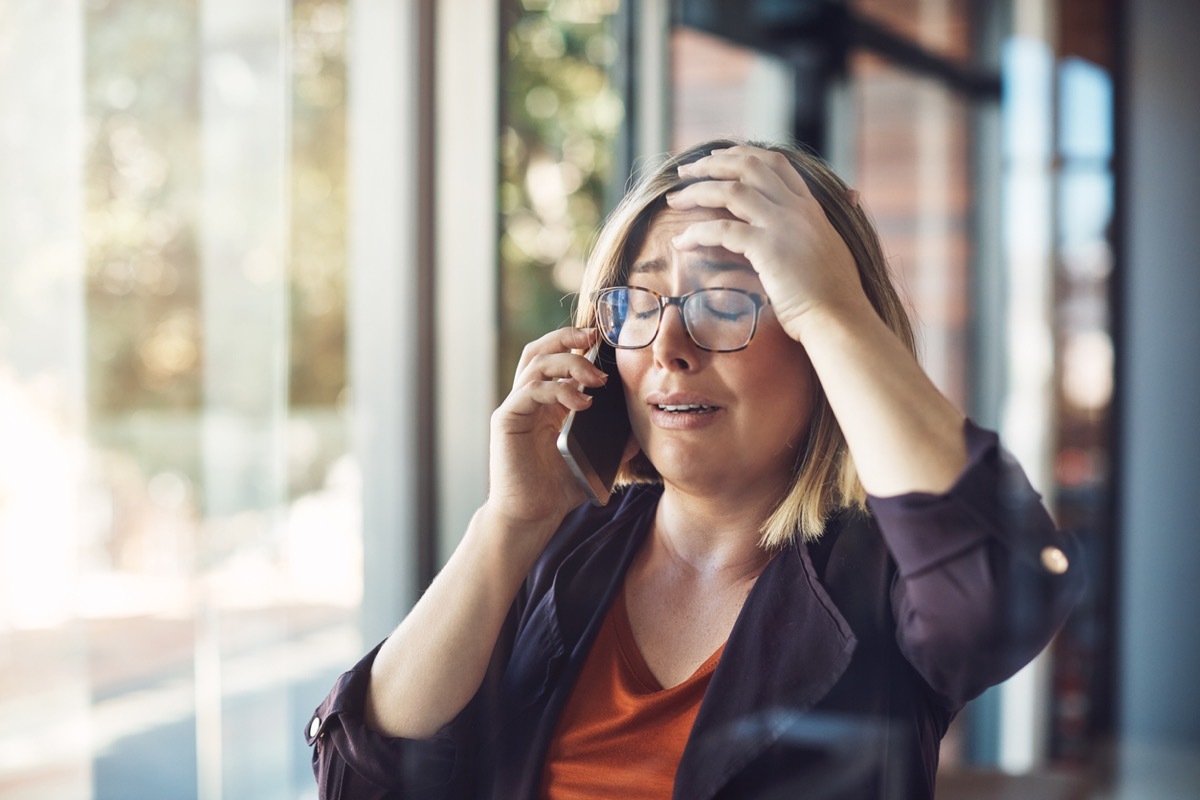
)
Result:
{"points": [[789, 383], [631, 367], [632, 370]]}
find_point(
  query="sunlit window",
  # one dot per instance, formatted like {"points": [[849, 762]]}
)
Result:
{"points": [[179, 510]]}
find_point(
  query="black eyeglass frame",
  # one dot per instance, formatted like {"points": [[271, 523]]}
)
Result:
{"points": [[678, 300]]}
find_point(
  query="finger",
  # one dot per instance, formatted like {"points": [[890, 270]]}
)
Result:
{"points": [[560, 366], [780, 165], [538, 396], [769, 171], [733, 235], [738, 198], [557, 341]]}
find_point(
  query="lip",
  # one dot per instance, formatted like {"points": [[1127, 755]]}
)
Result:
{"points": [[674, 420]]}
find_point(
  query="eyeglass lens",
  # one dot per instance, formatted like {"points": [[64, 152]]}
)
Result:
{"points": [[715, 319]]}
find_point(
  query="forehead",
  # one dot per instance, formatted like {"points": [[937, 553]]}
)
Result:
{"points": [[670, 222], [658, 254]]}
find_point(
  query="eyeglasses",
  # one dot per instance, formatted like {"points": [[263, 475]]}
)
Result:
{"points": [[720, 320]]}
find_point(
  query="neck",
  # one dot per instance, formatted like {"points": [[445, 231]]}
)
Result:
{"points": [[712, 535]]}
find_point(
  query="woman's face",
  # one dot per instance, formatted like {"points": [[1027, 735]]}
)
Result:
{"points": [[746, 411]]}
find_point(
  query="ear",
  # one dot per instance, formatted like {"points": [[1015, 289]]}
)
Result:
{"points": [[632, 448]]}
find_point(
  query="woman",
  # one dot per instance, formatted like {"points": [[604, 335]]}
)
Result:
{"points": [[816, 561]]}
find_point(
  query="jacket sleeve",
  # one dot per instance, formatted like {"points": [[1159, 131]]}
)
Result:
{"points": [[353, 762], [984, 578]]}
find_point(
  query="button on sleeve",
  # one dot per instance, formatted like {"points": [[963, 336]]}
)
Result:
{"points": [[1055, 560]]}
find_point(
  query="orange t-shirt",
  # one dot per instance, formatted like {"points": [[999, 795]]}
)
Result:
{"points": [[621, 734]]}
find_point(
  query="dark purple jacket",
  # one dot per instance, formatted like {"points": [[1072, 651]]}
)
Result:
{"points": [[847, 663]]}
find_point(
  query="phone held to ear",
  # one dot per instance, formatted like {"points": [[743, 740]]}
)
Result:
{"points": [[592, 441]]}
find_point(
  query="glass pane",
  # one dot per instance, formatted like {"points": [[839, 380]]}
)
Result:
{"points": [[1085, 190], [940, 26], [913, 172], [721, 89], [45, 506], [563, 113], [179, 525]]}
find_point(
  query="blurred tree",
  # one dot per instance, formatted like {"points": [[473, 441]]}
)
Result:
{"points": [[143, 184], [144, 197], [318, 203], [142, 180], [562, 115]]}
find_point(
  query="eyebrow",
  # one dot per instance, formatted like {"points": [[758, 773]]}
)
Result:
{"points": [[655, 265]]}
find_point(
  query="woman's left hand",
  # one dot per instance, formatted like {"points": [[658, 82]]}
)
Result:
{"points": [[804, 265]]}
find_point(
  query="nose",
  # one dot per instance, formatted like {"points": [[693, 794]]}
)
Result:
{"points": [[673, 348]]}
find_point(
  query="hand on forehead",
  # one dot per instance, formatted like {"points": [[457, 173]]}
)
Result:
{"points": [[658, 253]]}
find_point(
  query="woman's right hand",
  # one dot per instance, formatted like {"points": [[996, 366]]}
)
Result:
{"points": [[530, 485], [433, 664]]}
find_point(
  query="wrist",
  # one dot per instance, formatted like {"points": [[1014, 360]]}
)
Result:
{"points": [[513, 543], [829, 320]]}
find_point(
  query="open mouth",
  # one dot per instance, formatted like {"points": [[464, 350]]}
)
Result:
{"points": [[688, 408]]}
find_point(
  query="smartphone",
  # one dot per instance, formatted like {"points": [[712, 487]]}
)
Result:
{"points": [[592, 441]]}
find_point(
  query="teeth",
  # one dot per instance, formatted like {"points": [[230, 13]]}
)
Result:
{"points": [[688, 407]]}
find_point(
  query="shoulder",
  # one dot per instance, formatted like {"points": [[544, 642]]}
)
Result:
{"points": [[857, 572], [596, 530], [850, 547], [588, 521]]}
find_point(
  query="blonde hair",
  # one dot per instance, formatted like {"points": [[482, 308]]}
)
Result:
{"points": [[824, 477]]}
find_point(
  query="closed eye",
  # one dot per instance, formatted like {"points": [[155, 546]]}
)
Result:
{"points": [[733, 315]]}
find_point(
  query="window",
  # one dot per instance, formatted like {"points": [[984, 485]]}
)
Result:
{"points": [[180, 516], [562, 114]]}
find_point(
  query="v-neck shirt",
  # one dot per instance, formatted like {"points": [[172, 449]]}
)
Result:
{"points": [[622, 733]]}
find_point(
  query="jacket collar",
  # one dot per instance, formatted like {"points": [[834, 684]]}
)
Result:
{"points": [[583, 577], [788, 648], [593, 572]]}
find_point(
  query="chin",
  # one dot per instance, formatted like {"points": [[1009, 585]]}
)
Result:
{"points": [[709, 478]]}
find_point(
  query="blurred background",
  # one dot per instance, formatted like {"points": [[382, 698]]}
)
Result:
{"points": [[266, 268]]}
